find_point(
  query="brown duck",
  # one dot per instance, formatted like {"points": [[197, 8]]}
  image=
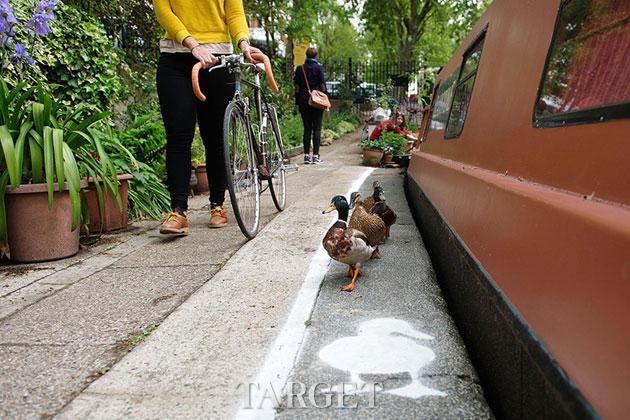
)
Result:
{"points": [[383, 211], [370, 224], [345, 244], [369, 202]]}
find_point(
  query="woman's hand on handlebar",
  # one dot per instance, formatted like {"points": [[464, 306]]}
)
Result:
{"points": [[205, 57], [247, 51]]}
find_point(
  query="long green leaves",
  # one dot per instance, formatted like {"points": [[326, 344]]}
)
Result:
{"points": [[8, 149], [41, 141], [59, 153], [37, 159], [49, 163], [19, 147]]}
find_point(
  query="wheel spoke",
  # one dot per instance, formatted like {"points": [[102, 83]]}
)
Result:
{"points": [[275, 165], [242, 178]]}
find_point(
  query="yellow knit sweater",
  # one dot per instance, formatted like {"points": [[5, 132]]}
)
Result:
{"points": [[208, 21]]}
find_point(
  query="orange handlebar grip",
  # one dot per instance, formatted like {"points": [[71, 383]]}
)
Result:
{"points": [[195, 82], [260, 57]]}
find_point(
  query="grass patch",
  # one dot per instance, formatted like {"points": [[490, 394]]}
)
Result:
{"points": [[141, 336]]}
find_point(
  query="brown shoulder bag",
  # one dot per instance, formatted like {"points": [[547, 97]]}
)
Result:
{"points": [[316, 99]]}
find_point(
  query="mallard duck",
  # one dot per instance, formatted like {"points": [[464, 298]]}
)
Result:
{"points": [[381, 209], [369, 202], [370, 224], [344, 244]]}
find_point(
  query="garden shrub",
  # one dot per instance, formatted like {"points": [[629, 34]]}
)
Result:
{"points": [[291, 129], [146, 140], [396, 141], [76, 60], [344, 127]]}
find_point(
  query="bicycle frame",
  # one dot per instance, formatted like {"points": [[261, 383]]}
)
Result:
{"points": [[233, 64]]}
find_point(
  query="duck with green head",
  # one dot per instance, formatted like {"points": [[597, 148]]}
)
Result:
{"points": [[344, 244]]}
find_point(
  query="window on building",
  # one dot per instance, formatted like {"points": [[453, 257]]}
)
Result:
{"points": [[587, 74], [442, 103], [463, 90]]}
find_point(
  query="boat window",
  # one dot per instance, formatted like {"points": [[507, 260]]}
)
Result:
{"points": [[587, 74], [463, 90], [442, 103]]}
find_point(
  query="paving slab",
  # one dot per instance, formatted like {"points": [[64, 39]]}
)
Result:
{"points": [[197, 316], [58, 346], [220, 336], [400, 286]]}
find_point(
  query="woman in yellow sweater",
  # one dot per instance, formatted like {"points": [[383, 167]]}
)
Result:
{"points": [[196, 30]]}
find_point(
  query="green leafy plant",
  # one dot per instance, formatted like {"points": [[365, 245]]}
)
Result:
{"points": [[377, 144], [198, 151], [79, 66], [148, 196], [45, 143], [396, 141], [292, 130], [146, 140]]}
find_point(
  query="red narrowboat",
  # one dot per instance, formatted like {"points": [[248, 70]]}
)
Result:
{"points": [[521, 189]]}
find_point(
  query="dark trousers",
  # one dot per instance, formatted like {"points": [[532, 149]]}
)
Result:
{"points": [[312, 120], [181, 110]]}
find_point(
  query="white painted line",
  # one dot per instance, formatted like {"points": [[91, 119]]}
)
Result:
{"points": [[283, 353]]}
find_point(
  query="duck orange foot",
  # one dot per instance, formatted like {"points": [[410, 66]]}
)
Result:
{"points": [[350, 286]]}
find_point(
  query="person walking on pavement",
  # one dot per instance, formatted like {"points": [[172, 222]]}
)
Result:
{"points": [[311, 117], [196, 31]]}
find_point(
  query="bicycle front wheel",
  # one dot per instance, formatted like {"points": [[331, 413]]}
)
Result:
{"points": [[275, 164], [241, 170]]}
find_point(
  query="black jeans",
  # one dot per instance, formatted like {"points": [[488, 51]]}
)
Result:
{"points": [[312, 120], [180, 112]]}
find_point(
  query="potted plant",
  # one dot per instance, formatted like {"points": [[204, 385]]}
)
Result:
{"points": [[45, 153], [397, 142], [198, 153], [201, 177], [372, 151], [110, 213], [388, 154]]}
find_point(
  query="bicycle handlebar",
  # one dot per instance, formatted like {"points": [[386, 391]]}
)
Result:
{"points": [[256, 55]]}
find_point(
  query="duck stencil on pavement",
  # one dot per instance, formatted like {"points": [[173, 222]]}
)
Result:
{"points": [[383, 346]]}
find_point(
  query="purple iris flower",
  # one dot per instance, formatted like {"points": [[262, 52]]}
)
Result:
{"points": [[42, 16], [6, 12], [19, 50], [19, 54], [39, 23], [45, 6], [7, 18]]}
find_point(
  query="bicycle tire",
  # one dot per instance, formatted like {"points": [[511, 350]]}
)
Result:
{"points": [[241, 169], [275, 164]]}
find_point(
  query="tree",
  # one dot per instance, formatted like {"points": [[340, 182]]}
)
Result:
{"points": [[406, 30], [273, 18], [338, 40]]}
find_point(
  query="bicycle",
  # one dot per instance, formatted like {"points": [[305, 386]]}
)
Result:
{"points": [[246, 146]]}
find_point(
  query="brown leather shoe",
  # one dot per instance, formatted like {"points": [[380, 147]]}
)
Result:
{"points": [[174, 224], [219, 217]]}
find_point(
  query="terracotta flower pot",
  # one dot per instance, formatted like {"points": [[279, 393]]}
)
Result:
{"points": [[202, 179], [388, 158], [372, 157], [113, 218], [37, 233]]}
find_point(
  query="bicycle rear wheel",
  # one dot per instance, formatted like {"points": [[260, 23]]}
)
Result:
{"points": [[275, 162], [241, 170]]}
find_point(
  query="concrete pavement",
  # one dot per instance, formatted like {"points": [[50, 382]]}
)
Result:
{"points": [[205, 313]]}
